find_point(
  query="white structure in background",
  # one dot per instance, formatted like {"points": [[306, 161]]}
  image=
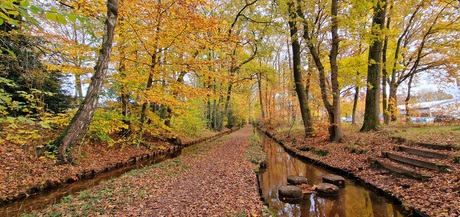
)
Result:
{"points": [[427, 111]]}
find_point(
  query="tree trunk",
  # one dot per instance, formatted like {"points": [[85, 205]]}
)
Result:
{"points": [[392, 107], [209, 108], [386, 113], [227, 100], [168, 114], [335, 128], [372, 109], [214, 115], [78, 126], [124, 97], [78, 88], [259, 84], [122, 70], [300, 89], [149, 86], [307, 93], [392, 103], [406, 102], [355, 105]]}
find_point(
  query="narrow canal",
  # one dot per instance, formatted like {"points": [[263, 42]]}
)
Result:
{"points": [[52, 196], [353, 200]]}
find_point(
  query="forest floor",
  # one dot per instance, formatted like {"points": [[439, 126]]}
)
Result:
{"points": [[214, 178], [436, 196], [25, 164]]}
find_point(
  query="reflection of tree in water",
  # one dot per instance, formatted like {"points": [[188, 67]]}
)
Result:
{"points": [[338, 205], [379, 207]]}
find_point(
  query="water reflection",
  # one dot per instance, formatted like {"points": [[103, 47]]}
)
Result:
{"points": [[352, 200]]}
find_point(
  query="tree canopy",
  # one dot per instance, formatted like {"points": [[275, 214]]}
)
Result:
{"points": [[178, 67]]}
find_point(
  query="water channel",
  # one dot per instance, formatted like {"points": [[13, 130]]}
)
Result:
{"points": [[353, 200], [42, 199]]}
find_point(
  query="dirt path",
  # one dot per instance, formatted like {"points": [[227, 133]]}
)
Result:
{"points": [[209, 179]]}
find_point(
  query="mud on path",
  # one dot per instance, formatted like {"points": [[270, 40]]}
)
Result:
{"points": [[208, 179]]}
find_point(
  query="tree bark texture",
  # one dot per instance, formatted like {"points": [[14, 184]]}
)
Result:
{"points": [[372, 108], [300, 89], [78, 126]]}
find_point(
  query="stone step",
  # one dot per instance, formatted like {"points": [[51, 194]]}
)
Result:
{"points": [[400, 170], [415, 162], [420, 152], [336, 180]]}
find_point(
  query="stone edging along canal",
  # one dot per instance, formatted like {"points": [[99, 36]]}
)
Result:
{"points": [[291, 151], [89, 174]]}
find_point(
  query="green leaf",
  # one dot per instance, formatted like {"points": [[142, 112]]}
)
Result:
{"points": [[4, 16], [11, 53], [14, 13], [1, 21], [22, 119], [61, 19], [81, 19], [45, 125], [23, 11], [32, 20], [51, 16], [14, 22], [72, 18], [7, 6], [25, 3], [36, 9]]}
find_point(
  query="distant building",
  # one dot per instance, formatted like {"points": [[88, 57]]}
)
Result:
{"points": [[433, 108]]}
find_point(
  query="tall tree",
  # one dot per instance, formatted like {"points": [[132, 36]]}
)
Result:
{"points": [[76, 130], [372, 109], [333, 109], [239, 41], [296, 69], [386, 112], [423, 36]]}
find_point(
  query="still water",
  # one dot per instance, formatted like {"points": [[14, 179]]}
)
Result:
{"points": [[353, 200]]}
